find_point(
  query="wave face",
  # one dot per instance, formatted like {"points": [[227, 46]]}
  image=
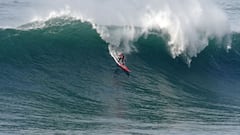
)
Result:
{"points": [[60, 79], [186, 23]]}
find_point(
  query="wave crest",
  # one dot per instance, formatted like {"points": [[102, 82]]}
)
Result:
{"points": [[188, 24]]}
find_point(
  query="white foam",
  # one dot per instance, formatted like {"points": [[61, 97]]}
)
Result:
{"points": [[189, 23]]}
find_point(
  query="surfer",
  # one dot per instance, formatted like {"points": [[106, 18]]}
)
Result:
{"points": [[121, 58]]}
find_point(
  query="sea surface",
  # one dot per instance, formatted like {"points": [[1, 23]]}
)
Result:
{"points": [[57, 76]]}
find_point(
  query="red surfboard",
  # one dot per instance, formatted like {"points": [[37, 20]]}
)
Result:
{"points": [[124, 67]]}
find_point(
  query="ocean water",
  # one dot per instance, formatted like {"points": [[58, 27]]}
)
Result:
{"points": [[58, 77]]}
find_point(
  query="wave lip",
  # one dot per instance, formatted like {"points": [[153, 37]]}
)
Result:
{"points": [[188, 24]]}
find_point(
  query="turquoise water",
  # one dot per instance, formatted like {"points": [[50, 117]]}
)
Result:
{"points": [[59, 78]]}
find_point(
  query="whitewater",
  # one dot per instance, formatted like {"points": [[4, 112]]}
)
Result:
{"points": [[58, 76], [186, 23]]}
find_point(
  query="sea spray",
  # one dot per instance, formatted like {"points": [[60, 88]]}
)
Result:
{"points": [[189, 24]]}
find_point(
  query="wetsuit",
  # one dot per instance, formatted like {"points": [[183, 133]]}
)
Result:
{"points": [[121, 59]]}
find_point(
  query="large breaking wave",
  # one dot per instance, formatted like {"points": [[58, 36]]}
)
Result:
{"points": [[59, 35], [61, 72], [57, 75], [186, 26]]}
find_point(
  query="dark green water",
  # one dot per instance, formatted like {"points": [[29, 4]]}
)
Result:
{"points": [[62, 80]]}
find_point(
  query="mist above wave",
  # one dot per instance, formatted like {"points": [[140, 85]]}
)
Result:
{"points": [[189, 24]]}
